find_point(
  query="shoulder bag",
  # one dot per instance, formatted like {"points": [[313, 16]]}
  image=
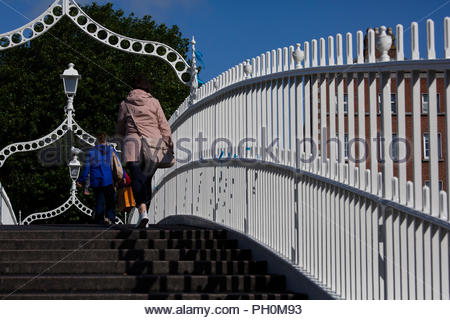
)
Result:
{"points": [[155, 150]]}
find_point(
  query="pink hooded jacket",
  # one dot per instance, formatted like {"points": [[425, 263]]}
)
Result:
{"points": [[150, 119]]}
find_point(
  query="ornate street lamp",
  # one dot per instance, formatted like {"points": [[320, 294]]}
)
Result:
{"points": [[70, 79], [74, 167]]}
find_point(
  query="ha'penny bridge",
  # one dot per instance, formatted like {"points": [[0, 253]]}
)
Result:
{"points": [[318, 170]]}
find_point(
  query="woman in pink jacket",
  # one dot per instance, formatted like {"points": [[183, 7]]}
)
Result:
{"points": [[140, 109]]}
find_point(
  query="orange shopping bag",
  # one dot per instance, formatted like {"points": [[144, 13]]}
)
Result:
{"points": [[125, 199]]}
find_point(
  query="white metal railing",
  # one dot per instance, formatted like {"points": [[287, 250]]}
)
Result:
{"points": [[361, 229], [7, 215]]}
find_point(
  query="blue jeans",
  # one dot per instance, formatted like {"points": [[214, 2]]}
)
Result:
{"points": [[105, 204]]}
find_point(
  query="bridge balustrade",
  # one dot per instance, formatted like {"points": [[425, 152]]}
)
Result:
{"points": [[300, 148]]}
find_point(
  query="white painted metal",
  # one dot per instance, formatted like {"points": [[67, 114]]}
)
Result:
{"points": [[387, 135], [383, 44], [71, 9], [415, 55], [351, 111], [431, 51], [417, 140], [445, 215], [360, 233], [373, 126], [7, 216], [67, 126]]}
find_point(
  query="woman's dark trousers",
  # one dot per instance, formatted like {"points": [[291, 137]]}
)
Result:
{"points": [[141, 182]]}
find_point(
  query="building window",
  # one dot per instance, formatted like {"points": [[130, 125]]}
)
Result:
{"points": [[426, 103], [441, 184], [394, 147], [345, 103], [380, 148], [346, 151], [393, 103], [426, 146], [393, 151]]}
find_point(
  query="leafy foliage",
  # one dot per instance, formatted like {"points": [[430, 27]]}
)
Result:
{"points": [[32, 98]]}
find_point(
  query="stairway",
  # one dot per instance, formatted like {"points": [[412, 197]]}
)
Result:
{"points": [[93, 262]]}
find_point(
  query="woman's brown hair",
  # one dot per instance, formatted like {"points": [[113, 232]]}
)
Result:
{"points": [[141, 82]]}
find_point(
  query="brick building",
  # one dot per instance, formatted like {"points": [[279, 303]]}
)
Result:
{"points": [[424, 107]]}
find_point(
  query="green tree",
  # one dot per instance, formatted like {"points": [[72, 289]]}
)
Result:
{"points": [[32, 99]]}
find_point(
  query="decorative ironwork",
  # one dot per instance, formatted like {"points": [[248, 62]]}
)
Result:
{"points": [[73, 201], [43, 142], [34, 29], [70, 8], [68, 125], [83, 135], [186, 74]]}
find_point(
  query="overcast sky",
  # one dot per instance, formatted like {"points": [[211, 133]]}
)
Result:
{"points": [[229, 32]]}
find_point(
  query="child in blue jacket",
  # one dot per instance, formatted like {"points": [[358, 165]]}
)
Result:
{"points": [[98, 167]]}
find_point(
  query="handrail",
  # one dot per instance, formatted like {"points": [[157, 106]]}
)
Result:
{"points": [[364, 230], [295, 172], [438, 65]]}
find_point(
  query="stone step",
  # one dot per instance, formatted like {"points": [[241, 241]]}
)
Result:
{"points": [[120, 262], [114, 234], [156, 296], [125, 254], [134, 267], [142, 284], [53, 244]]}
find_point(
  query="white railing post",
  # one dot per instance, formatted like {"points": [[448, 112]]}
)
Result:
{"points": [[387, 134], [401, 119], [350, 111], [371, 45], [314, 53], [373, 116], [330, 51], [253, 73], [279, 60], [274, 61], [400, 43], [447, 38], [431, 51], [307, 54], [257, 71], [263, 65], [286, 58], [360, 47], [349, 48], [417, 137], [415, 55], [291, 63], [339, 50], [323, 57], [340, 107], [268, 63]]}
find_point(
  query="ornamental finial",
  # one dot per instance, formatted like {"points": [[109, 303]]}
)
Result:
{"points": [[299, 56], [383, 44]]}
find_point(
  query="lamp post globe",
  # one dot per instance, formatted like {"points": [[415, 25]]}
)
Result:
{"points": [[74, 168], [70, 79]]}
